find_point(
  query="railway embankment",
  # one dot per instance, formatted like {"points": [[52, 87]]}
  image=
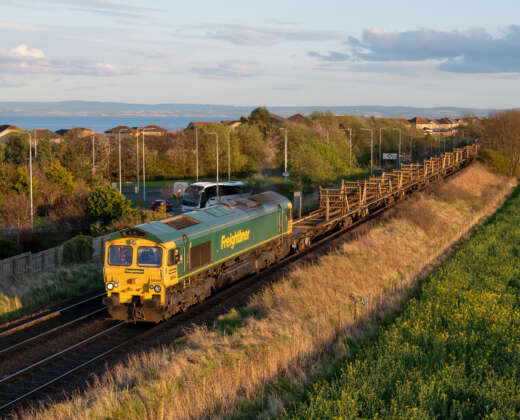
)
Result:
{"points": [[452, 352], [22, 296], [257, 358]]}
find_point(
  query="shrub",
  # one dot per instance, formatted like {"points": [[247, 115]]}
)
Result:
{"points": [[107, 204], [78, 249], [9, 248], [496, 160]]}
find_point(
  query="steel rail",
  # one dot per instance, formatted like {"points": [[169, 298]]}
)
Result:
{"points": [[214, 300], [48, 332], [48, 316], [81, 365], [59, 354]]}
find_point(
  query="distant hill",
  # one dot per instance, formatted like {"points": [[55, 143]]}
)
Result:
{"points": [[85, 108]]}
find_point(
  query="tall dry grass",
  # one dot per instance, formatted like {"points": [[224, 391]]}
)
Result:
{"points": [[241, 365], [21, 295]]}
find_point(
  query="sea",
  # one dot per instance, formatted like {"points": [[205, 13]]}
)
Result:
{"points": [[102, 123]]}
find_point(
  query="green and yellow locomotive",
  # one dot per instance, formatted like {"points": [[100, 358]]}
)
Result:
{"points": [[157, 269]]}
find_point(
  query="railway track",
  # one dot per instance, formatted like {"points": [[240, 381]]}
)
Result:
{"points": [[48, 372], [50, 320]]}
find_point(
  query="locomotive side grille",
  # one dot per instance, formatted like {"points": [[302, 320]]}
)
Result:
{"points": [[200, 255]]}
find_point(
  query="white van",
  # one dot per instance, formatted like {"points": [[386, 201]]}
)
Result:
{"points": [[204, 194]]}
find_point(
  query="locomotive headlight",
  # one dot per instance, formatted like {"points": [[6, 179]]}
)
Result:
{"points": [[157, 289], [151, 286], [110, 286], [116, 284]]}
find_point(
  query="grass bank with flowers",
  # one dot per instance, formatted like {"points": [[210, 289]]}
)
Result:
{"points": [[255, 360], [455, 350]]}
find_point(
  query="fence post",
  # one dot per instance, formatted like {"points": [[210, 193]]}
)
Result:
{"points": [[28, 263]]}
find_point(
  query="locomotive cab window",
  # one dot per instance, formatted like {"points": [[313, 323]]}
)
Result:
{"points": [[149, 256], [120, 255], [174, 257], [200, 255]]}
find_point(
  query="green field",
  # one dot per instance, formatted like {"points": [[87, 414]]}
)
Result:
{"points": [[454, 352]]}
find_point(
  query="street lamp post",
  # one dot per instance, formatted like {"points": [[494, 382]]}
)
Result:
{"points": [[399, 155], [229, 155], [30, 178], [285, 173], [218, 193], [137, 161], [143, 130], [371, 148], [197, 152], [93, 162]]}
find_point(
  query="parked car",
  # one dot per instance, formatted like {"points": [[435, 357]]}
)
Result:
{"points": [[156, 205], [204, 194]]}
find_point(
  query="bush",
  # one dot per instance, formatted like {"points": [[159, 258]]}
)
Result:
{"points": [[9, 248], [78, 249], [496, 160], [107, 204]]}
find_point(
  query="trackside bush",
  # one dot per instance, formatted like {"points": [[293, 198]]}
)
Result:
{"points": [[107, 204], [78, 249], [496, 160], [9, 248]]}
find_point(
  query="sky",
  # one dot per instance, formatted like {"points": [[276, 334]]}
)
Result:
{"points": [[273, 53]]}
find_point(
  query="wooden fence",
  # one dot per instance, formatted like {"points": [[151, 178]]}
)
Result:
{"points": [[48, 260]]}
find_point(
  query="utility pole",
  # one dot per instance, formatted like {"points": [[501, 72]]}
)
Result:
{"points": [[285, 173], [218, 192], [371, 149]]}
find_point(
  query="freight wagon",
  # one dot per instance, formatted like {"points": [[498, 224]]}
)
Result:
{"points": [[157, 269]]}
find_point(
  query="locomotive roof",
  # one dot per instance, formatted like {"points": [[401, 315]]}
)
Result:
{"points": [[192, 223]]}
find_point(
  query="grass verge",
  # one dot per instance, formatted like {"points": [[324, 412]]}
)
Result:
{"points": [[249, 364], [455, 350], [19, 297]]}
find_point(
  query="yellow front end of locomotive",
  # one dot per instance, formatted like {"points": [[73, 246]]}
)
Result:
{"points": [[136, 273]]}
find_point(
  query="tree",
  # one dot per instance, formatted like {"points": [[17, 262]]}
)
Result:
{"points": [[45, 156], [107, 204], [23, 181], [17, 149], [260, 114], [61, 176], [15, 210], [252, 145]]}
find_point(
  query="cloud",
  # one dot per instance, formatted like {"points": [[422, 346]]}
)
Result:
{"points": [[228, 70], [257, 36], [25, 60], [459, 51], [333, 56], [110, 8], [24, 51]]}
